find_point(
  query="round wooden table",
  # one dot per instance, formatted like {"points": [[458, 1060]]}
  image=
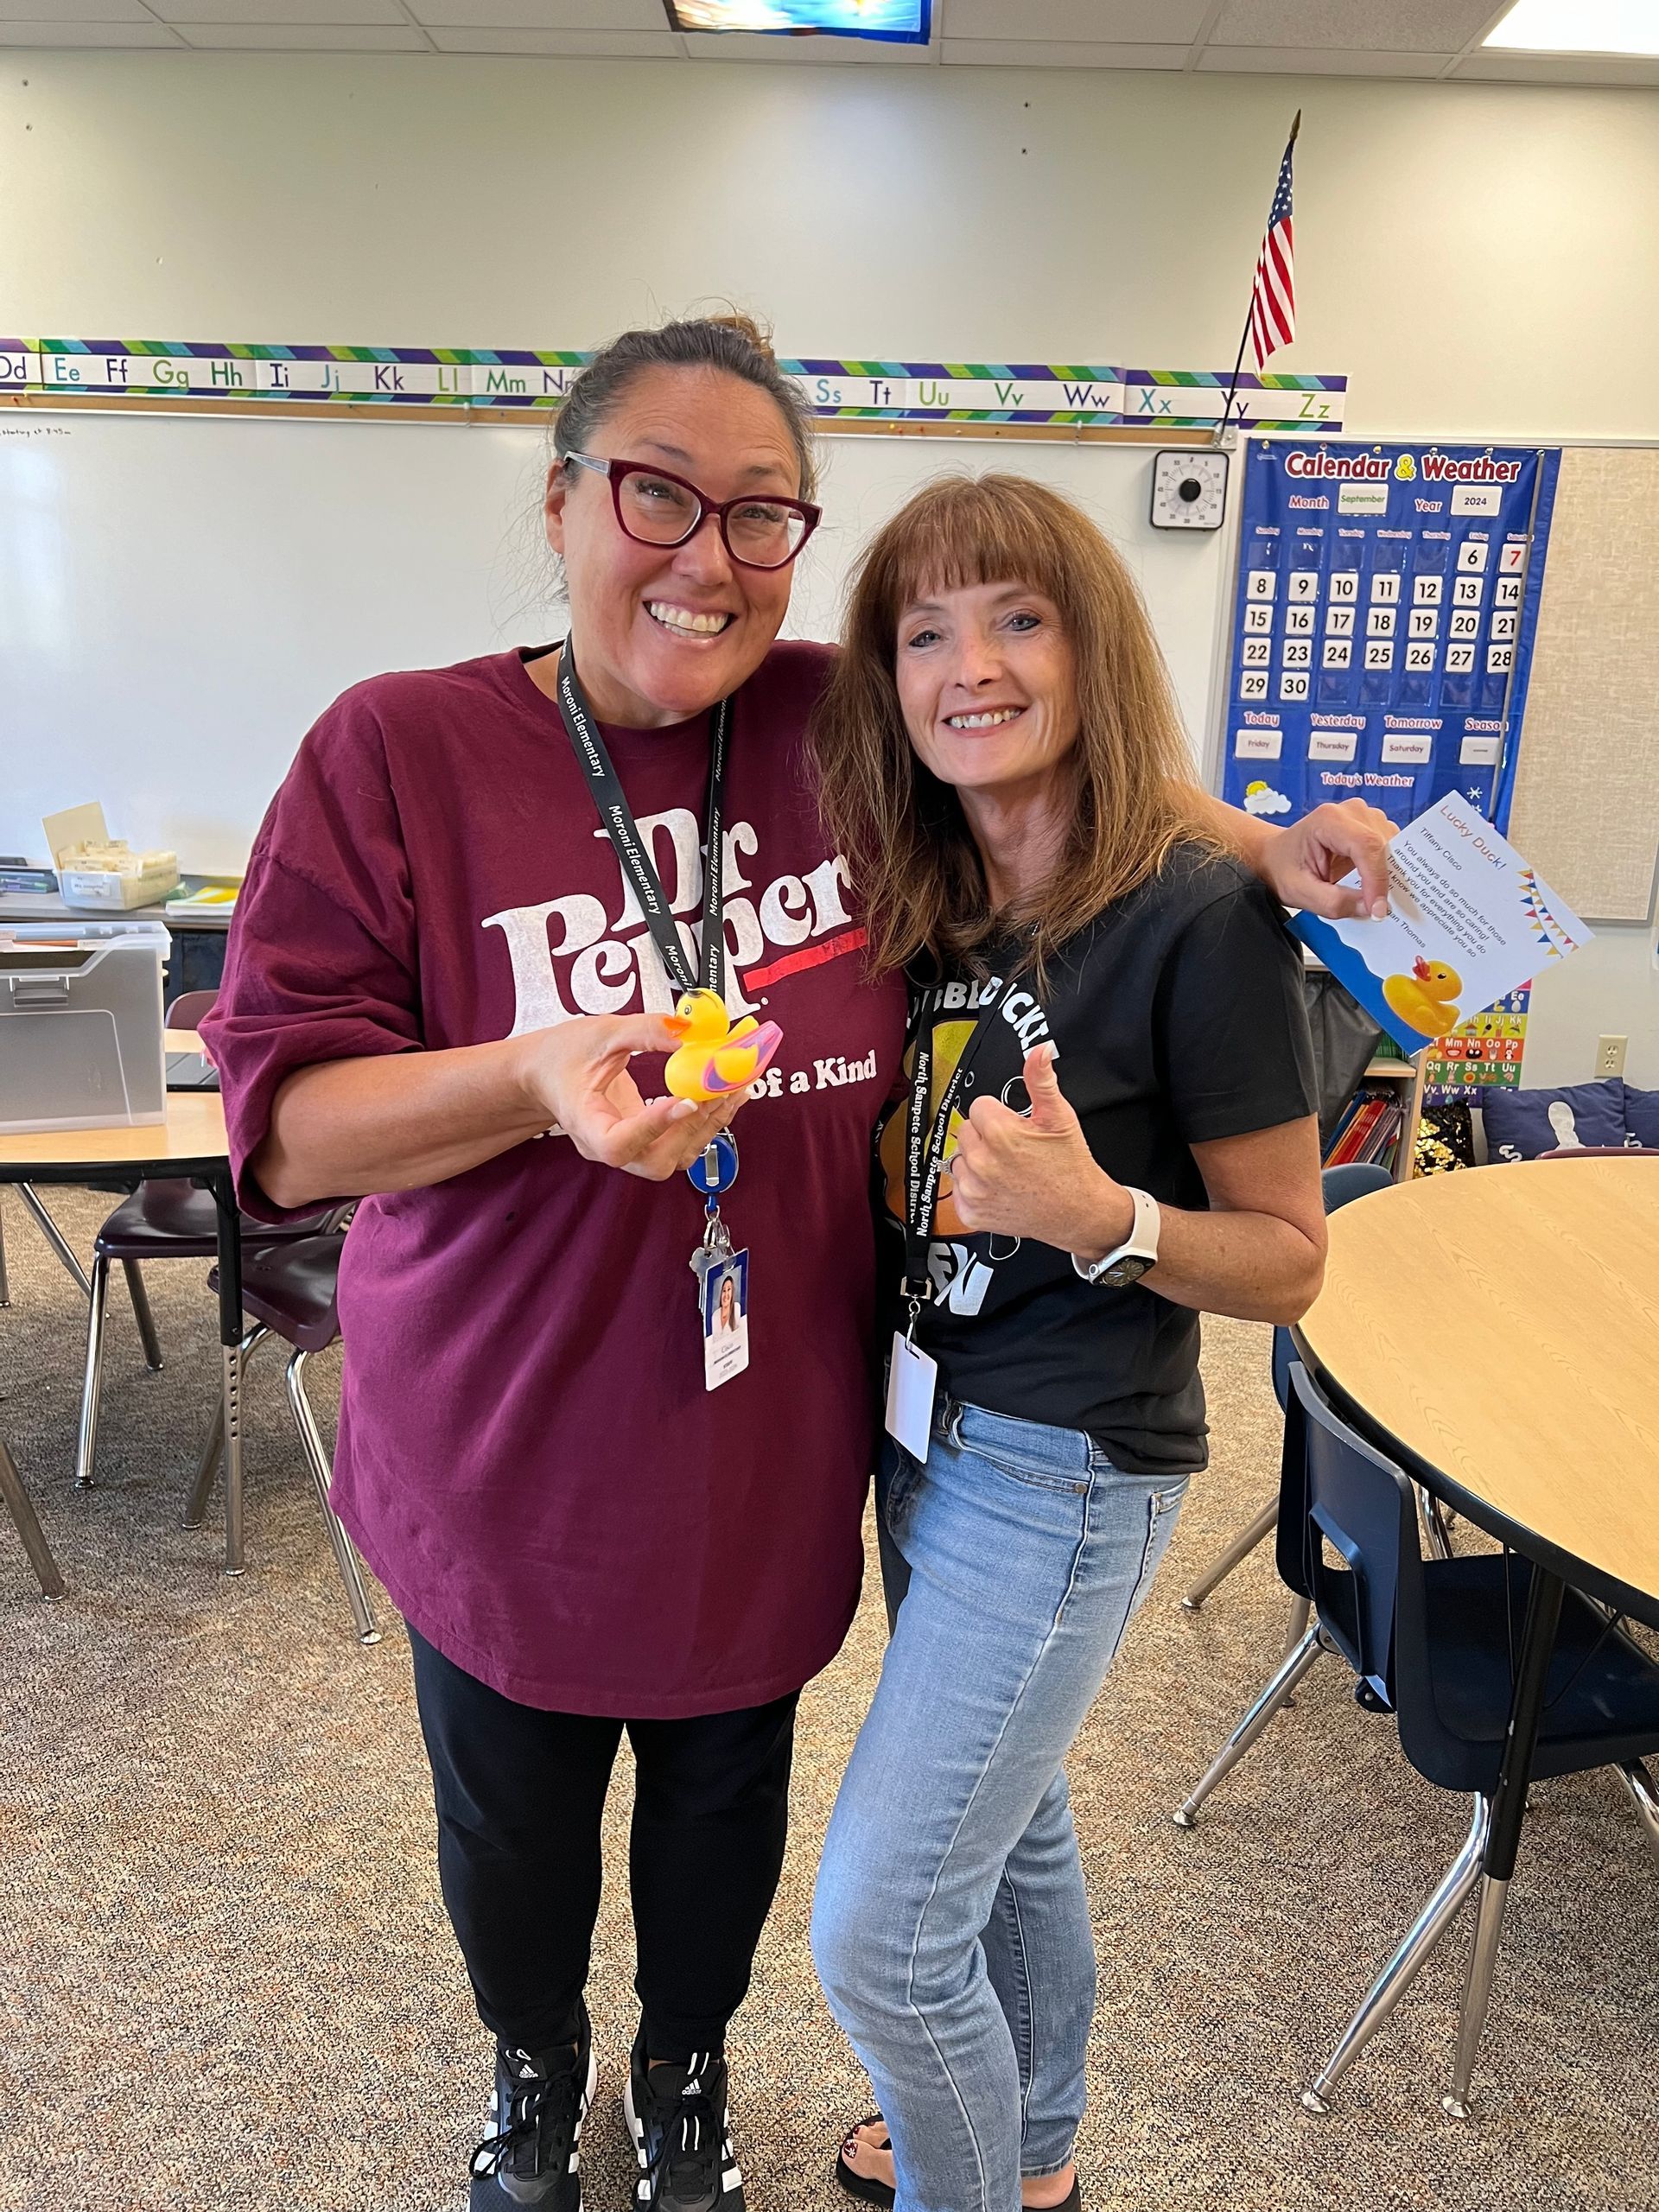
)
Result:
{"points": [[1495, 1333], [190, 1143]]}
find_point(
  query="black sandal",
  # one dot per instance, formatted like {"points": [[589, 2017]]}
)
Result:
{"points": [[859, 2185], [877, 2192]]}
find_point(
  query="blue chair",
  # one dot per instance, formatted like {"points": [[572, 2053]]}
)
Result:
{"points": [[1340, 1185], [1430, 1641]]}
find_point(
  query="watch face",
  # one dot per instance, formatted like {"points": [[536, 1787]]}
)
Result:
{"points": [[1128, 1270]]}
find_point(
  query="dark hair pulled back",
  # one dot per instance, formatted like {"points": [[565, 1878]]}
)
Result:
{"points": [[733, 343]]}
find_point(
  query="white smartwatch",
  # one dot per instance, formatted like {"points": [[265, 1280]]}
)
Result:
{"points": [[1138, 1251]]}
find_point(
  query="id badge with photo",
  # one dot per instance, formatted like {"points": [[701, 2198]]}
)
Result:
{"points": [[725, 1320]]}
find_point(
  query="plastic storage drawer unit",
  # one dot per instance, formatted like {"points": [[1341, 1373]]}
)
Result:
{"points": [[81, 1025]]}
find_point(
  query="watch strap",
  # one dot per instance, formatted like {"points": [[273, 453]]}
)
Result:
{"points": [[1141, 1243]]}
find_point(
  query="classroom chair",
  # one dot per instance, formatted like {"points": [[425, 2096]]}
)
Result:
{"points": [[1356, 1179], [1430, 1641], [165, 1218], [289, 1289]]}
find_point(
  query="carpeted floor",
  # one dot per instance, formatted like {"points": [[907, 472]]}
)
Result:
{"points": [[225, 1978]]}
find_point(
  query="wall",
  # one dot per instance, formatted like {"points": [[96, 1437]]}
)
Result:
{"points": [[1481, 261]]}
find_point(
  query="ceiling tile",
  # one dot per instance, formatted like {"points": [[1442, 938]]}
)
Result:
{"points": [[307, 38], [1355, 26], [744, 46], [73, 11], [281, 13], [1319, 61], [1111, 23], [149, 33], [600, 19], [1061, 54], [590, 45]]}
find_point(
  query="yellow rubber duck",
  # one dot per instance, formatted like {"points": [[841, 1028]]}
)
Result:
{"points": [[718, 1055], [1426, 998]]}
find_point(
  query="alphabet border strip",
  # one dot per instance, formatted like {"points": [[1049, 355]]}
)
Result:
{"points": [[468, 382]]}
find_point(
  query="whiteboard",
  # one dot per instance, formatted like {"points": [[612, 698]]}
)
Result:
{"points": [[180, 598]]}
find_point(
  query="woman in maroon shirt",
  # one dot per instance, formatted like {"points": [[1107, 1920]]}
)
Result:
{"points": [[451, 942]]}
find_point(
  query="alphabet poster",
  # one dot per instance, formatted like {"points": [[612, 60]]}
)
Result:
{"points": [[1387, 602]]}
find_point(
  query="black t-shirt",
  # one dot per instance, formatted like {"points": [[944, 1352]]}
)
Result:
{"points": [[1177, 1017]]}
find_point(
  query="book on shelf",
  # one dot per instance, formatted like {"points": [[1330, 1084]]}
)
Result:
{"points": [[1369, 1130]]}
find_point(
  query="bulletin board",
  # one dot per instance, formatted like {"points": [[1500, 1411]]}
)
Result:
{"points": [[1386, 604], [1587, 798]]}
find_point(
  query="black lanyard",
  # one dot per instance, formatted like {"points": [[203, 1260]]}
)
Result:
{"points": [[924, 1148], [633, 856]]}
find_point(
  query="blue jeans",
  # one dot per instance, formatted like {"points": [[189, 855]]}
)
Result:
{"points": [[950, 1928]]}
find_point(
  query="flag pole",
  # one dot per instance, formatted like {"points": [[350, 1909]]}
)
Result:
{"points": [[1244, 335]]}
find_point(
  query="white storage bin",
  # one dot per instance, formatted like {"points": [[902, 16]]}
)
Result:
{"points": [[81, 1025], [104, 891]]}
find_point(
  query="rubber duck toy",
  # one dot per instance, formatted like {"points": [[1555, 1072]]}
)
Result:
{"points": [[1426, 998], [717, 1055]]}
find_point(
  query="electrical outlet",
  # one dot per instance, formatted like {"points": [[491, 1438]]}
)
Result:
{"points": [[1610, 1055]]}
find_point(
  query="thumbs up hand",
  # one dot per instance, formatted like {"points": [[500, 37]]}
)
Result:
{"points": [[1033, 1174]]}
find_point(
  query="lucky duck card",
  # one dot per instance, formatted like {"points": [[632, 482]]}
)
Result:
{"points": [[1468, 921]]}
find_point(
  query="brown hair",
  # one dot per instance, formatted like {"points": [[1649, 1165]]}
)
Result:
{"points": [[906, 838], [733, 343]]}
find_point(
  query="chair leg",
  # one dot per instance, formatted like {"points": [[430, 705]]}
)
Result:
{"points": [[54, 1236], [201, 1489], [97, 1293], [1644, 1796], [20, 1507], [1477, 1992], [1276, 1695], [317, 1459], [1432, 1515], [142, 1314], [5, 1286], [1301, 1611], [1404, 1967], [1240, 1547]]}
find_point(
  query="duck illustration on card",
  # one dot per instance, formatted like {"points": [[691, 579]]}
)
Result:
{"points": [[1468, 921]]}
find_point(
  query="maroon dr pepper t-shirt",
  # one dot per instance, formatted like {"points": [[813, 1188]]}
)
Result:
{"points": [[527, 1455]]}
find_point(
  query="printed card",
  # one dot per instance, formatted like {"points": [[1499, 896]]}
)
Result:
{"points": [[1469, 920]]}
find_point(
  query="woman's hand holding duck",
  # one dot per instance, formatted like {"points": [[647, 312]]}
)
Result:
{"points": [[578, 1073]]}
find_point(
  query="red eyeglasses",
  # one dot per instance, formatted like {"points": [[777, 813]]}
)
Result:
{"points": [[657, 508]]}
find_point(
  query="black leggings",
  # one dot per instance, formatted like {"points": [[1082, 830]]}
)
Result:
{"points": [[519, 1793]]}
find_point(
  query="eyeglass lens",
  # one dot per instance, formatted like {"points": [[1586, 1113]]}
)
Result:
{"points": [[762, 532]]}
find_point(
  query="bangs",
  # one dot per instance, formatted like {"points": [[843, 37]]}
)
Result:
{"points": [[965, 530]]}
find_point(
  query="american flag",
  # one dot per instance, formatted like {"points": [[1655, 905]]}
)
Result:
{"points": [[1273, 297]]}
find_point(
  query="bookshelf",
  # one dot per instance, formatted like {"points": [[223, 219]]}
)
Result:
{"points": [[1394, 1082]]}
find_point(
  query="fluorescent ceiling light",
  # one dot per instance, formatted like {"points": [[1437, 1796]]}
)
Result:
{"points": [[896, 22], [1579, 27]]}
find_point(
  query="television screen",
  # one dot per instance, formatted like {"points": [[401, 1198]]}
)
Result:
{"points": [[899, 22]]}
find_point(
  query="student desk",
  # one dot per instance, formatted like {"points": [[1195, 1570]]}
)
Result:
{"points": [[189, 1144], [1495, 1333]]}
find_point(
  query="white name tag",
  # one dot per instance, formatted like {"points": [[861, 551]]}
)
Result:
{"points": [[911, 1381]]}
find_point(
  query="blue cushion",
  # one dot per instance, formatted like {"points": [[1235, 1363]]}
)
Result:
{"points": [[1520, 1124], [1641, 1115]]}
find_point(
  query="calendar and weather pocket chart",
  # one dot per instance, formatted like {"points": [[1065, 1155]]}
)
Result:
{"points": [[1387, 602]]}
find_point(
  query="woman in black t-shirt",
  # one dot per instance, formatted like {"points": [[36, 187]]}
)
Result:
{"points": [[1106, 1127]]}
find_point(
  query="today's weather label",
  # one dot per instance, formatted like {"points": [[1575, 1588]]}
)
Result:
{"points": [[1386, 603]]}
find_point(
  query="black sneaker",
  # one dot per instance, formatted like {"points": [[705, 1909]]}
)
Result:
{"points": [[541, 2100], [677, 2117]]}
